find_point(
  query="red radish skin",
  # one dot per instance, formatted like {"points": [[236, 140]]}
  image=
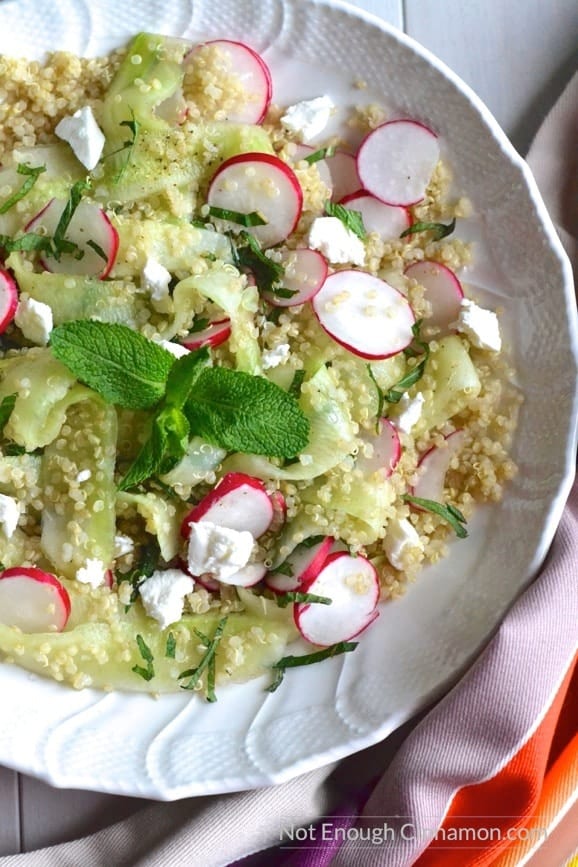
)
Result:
{"points": [[396, 160], [389, 221], [305, 273], [33, 600], [89, 223], [254, 75], [8, 299], [206, 580], [344, 175], [279, 511], [443, 290], [305, 564], [262, 183], [213, 335], [364, 314], [239, 502], [434, 465], [386, 451], [353, 586]]}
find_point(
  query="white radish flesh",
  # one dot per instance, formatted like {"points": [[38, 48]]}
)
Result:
{"points": [[238, 502], [386, 451], [89, 223], [443, 290], [248, 576], [364, 314], [304, 564], [396, 161], [33, 600], [389, 221], [434, 466], [344, 175], [305, 273], [353, 587], [213, 335], [302, 151], [260, 183], [250, 69], [8, 299]]}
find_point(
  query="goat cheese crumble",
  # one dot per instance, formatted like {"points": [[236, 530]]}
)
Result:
{"points": [[309, 117], [84, 136], [218, 550], [163, 595], [336, 242]]}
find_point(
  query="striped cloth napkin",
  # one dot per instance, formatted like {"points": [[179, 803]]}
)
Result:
{"points": [[488, 777]]}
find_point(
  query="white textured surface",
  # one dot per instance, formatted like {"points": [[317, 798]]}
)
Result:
{"points": [[189, 748]]}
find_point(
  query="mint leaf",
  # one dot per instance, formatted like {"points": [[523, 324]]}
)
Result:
{"points": [[76, 193], [449, 513], [280, 667], [244, 413], [6, 408], [164, 447], [440, 230], [120, 364], [149, 672], [182, 376], [351, 219], [207, 661], [249, 255], [32, 177], [322, 154], [253, 218]]}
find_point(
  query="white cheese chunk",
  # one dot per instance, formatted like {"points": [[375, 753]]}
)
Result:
{"points": [[401, 536], [480, 326], [84, 136], [34, 319], [122, 545], [174, 348], [9, 515], [337, 243], [275, 357], [217, 550], [155, 279], [93, 573], [410, 412], [163, 595], [308, 118]]}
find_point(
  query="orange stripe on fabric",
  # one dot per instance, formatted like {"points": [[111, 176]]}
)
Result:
{"points": [[474, 830]]}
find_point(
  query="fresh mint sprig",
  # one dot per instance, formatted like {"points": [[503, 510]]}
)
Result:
{"points": [[207, 661], [417, 348], [440, 230], [351, 219], [248, 256], [32, 175]]}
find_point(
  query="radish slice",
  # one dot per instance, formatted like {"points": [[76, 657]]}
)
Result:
{"points": [[33, 600], [213, 335], [248, 576], [302, 151], [434, 465], [173, 109], [305, 273], [8, 299], [207, 581], [389, 221], [344, 175], [279, 511], [304, 563], [386, 451], [443, 290], [364, 314], [254, 75], [238, 502], [89, 224], [396, 161], [258, 182], [353, 586]]}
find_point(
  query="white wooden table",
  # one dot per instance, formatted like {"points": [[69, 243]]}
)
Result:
{"points": [[517, 55]]}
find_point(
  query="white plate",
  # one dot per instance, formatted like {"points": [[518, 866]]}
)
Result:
{"points": [[176, 747]]}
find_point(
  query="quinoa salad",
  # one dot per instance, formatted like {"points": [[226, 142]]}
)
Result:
{"points": [[246, 394]]}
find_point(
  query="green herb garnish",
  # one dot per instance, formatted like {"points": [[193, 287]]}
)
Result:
{"points": [[394, 394], [149, 672], [449, 513], [97, 249], [321, 154], [253, 218], [171, 646], [59, 243], [282, 292], [149, 561], [32, 176], [380, 398], [440, 230], [286, 662], [199, 325], [285, 599], [207, 661], [351, 219], [6, 408], [249, 255], [134, 128], [295, 387]]}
